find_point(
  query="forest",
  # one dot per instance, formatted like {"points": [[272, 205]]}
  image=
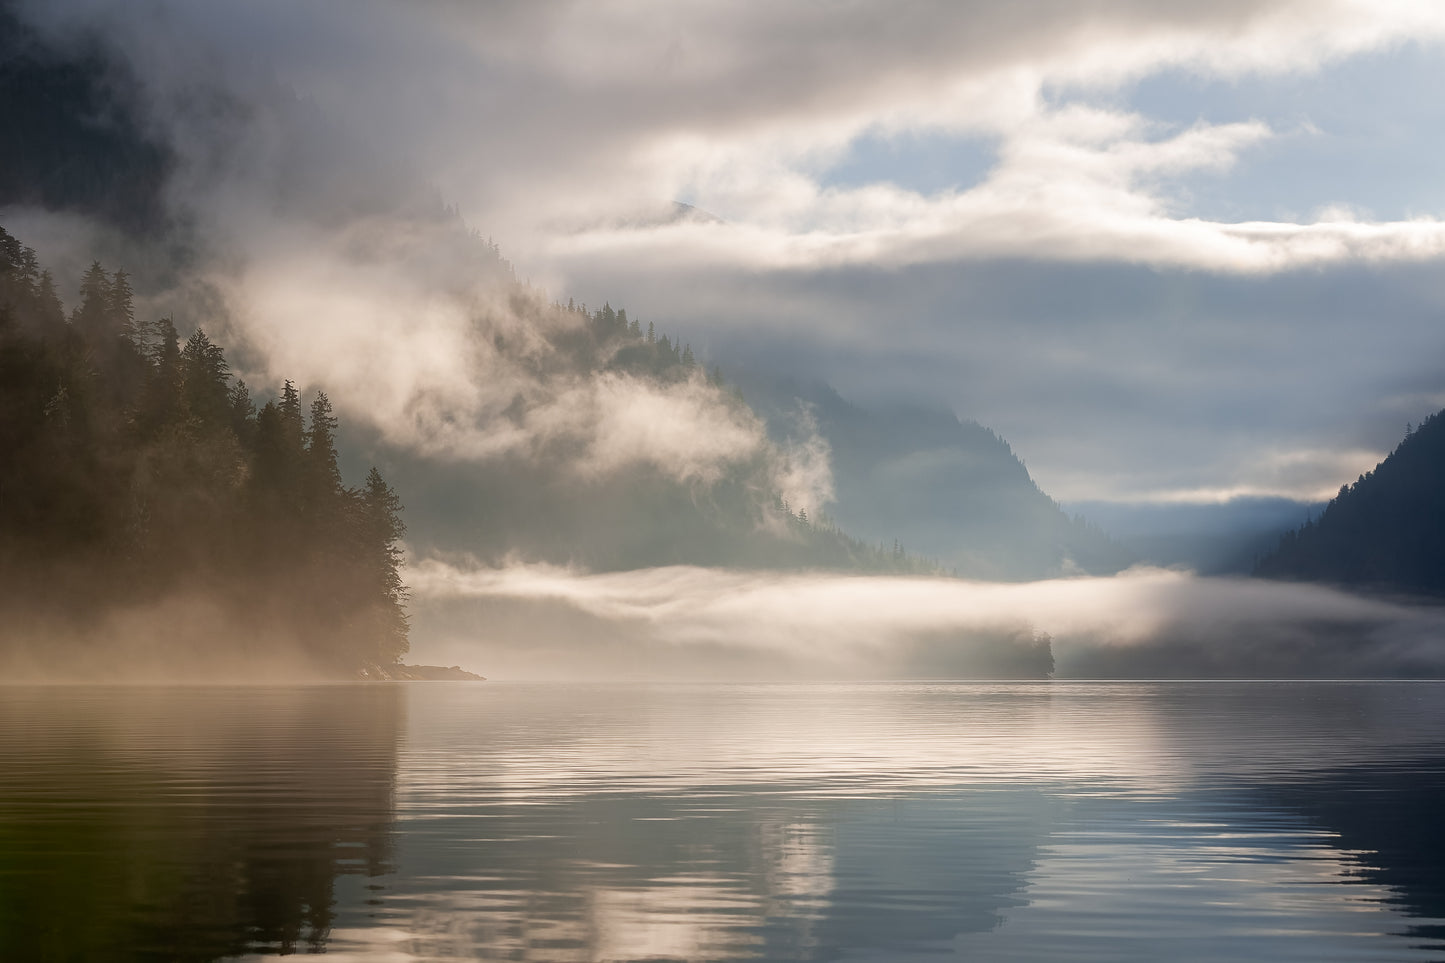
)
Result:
{"points": [[139, 470], [1382, 532]]}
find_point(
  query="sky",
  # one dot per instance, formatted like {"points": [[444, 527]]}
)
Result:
{"points": [[1171, 251]]}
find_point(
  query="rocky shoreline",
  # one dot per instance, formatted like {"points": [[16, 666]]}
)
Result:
{"points": [[419, 673]]}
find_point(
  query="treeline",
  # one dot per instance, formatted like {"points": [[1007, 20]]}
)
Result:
{"points": [[857, 553], [1386, 531], [634, 348], [135, 469]]}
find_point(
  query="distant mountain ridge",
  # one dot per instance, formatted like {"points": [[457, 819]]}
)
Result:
{"points": [[947, 488], [1385, 532]]}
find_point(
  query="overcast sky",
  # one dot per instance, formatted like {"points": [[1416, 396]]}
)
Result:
{"points": [[1169, 250]]}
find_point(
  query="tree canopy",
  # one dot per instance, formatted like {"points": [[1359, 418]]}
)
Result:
{"points": [[137, 469]]}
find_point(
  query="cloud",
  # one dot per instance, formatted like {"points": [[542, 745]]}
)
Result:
{"points": [[694, 622], [535, 118], [551, 125], [456, 361]]}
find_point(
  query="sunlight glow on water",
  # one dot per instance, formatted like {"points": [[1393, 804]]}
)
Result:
{"points": [[438, 821]]}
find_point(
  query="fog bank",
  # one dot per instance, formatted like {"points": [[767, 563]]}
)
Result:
{"points": [[534, 621]]}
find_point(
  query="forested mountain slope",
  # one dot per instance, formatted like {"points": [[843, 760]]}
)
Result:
{"points": [[1385, 532], [632, 455]]}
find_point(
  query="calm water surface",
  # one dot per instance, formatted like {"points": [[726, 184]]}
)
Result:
{"points": [[441, 821]]}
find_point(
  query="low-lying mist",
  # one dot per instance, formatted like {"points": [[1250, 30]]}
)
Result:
{"points": [[184, 637], [543, 622]]}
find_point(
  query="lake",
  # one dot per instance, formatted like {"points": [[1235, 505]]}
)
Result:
{"points": [[919, 821]]}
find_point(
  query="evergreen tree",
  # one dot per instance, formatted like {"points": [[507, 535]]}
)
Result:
{"points": [[383, 527], [204, 377], [130, 475], [120, 307], [48, 307], [243, 413], [322, 474], [290, 409], [92, 317]]}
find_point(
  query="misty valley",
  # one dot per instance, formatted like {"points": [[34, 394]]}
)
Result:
{"points": [[925, 481], [612, 510]]}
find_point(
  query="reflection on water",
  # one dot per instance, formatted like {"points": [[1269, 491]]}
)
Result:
{"points": [[454, 821], [188, 824]]}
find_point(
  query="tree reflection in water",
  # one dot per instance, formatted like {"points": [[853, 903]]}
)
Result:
{"points": [[189, 824]]}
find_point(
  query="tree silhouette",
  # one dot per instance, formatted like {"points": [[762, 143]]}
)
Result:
{"points": [[136, 468]]}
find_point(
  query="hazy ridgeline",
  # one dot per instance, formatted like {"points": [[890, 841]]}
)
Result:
{"points": [[1381, 533], [948, 488], [150, 513], [618, 450]]}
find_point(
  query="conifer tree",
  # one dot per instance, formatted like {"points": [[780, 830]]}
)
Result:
{"points": [[204, 377], [120, 306], [92, 316], [290, 409], [243, 413], [51, 311], [381, 513], [322, 484]]}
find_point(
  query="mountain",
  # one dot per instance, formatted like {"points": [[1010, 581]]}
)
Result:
{"points": [[946, 488], [624, 454], [1386, 532], [74, 138]]}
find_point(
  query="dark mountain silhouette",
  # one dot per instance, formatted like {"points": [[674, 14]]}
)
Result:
{"points": [[1386, 532], [73, 136], [947, 488]]}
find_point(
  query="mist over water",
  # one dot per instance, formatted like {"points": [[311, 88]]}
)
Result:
{"points": [[534, 621]]}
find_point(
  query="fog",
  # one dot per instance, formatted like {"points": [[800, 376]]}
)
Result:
{"points": [[532, 621], [563, 129], [187, 637]]}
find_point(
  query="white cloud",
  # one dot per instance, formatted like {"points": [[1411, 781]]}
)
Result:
{"points": [[534, 117]]}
